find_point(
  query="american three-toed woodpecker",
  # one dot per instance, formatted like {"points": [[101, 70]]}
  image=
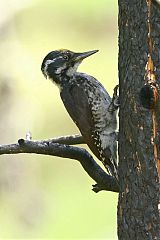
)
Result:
{"points": [[87, 102]]}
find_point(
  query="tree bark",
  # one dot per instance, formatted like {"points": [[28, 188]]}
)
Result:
{"points": [[139, 197]]}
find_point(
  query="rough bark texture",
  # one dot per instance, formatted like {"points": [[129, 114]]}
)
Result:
{"points": [[138, 215]]}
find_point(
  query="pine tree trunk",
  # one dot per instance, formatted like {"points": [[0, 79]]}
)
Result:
{"points": [[139, 197]]}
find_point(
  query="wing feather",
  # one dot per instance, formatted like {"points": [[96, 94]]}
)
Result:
{"points": [[76, 101], [80, 108]]}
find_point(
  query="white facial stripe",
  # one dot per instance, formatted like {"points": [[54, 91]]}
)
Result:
{"points": [[46, 65], [48, 62], [59, 70], [69, 72]]}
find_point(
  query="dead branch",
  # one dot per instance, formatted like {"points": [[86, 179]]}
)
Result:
{"points": [[53, 148]]}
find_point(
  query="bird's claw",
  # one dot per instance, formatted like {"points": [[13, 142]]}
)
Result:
{"points": [[115, 100]]}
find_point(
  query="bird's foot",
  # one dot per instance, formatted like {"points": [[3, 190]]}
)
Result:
{"points": [[115, 100]]}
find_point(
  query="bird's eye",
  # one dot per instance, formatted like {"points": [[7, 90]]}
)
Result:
{"points": [[66, 57]]}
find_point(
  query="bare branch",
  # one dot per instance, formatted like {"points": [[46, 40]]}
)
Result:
{"points": [[65, 151]]}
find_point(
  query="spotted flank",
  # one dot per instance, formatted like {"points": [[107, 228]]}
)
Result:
{"points": [[108, 154]]}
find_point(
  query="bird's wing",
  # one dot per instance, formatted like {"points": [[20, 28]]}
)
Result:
{"points": [[79, 107], [76, 102]]}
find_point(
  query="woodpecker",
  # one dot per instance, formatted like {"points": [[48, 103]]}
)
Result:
{"points": [[87, 102]]}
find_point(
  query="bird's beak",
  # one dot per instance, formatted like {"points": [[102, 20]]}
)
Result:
{"points": [[80, 56]]}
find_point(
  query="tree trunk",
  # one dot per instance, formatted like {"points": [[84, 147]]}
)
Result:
{"points": [[139, 197]]}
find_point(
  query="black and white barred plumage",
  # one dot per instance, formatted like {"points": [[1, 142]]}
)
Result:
{"points": [[87, 102]]}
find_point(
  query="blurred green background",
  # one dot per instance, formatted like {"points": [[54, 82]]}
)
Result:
{"points": [[49, 197]]}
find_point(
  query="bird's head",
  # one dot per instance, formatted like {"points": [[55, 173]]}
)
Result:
{"points": [[60, 63]]}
